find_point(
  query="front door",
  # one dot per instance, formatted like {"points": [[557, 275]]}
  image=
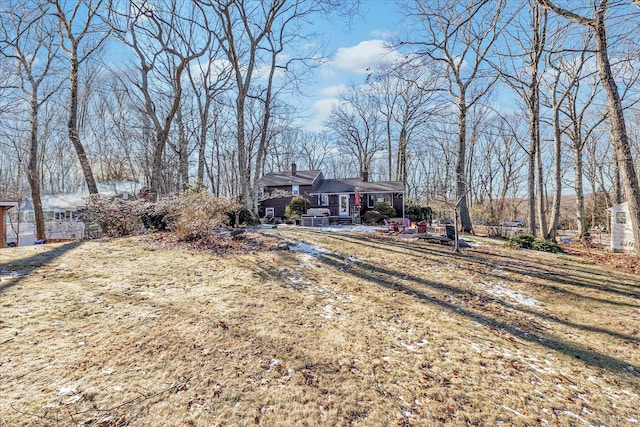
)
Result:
{"points": [[343, 205]]}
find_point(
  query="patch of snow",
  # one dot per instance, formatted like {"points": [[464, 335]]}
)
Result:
{"points": [[298, 282], [514, 411], [328, 311], [72, 399], [67, 391], [405, 413], [309, 249], [334, 229], [6, 274], [407, 346], [512, 295], [306, 260], [412, 347], [476, 347]]}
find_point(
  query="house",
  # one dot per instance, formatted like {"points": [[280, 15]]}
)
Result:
{"points": [[61, 219], [621, 229], [4, 207], [345, 199]]}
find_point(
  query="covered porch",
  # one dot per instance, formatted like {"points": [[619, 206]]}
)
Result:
{"points": [[4, 207]]}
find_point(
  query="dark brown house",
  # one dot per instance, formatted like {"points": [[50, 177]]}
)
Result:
{"points": [[345, 199]]}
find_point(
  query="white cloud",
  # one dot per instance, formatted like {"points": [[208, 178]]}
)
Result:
{"points": [[332, 91], [383, 34], [321, 110], [364, 56]]}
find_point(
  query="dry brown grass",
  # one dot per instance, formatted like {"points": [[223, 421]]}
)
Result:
{"points": [[353, 329]]}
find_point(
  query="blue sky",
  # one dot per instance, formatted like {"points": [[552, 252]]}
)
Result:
{"points": [[353, 48]]}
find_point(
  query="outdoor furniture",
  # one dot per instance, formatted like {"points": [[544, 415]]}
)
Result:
{"points": [[316, 217], [421, 227], [392, 227]]}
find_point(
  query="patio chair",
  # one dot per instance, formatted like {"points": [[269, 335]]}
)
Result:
{"points": [[392, 227]]}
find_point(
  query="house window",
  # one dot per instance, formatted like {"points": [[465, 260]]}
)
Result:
{"points": [[621, 217], [295, 190], [269, 212], [324, 200], [374, 199]]}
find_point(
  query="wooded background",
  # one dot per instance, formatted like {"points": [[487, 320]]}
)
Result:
{"points": [[486, 103]]}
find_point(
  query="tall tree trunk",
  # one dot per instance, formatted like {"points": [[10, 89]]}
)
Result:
{"points": [[461, 176], [618, 127], [183, 153], [202, 140], [619, 135], [617, 184], [389, 150], [74, 134], [557, 175], [579, 189], [401, 173], [542, 211], [33, 175], [531, 188]]}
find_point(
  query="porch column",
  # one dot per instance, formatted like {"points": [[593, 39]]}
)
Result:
{"points": [[3, 221]]}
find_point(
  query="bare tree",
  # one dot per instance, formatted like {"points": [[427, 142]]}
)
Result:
{"points": [[165, 36], [406, 94], [498, 168], [598, 26], [358, 126], [315, 149], [579, 102], [28, 40], [209, 78], [254, 37], [460, 36], [82, 33]]}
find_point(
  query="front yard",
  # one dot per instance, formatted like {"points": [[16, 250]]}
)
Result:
{"points": [[341, 329]]}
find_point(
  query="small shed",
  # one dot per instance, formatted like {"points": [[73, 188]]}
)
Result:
{"points": [[4, 207], [621, 229]]}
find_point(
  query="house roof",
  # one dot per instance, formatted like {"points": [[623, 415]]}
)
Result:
{"points": [[350, 185], [5, 204], [276, 179]]}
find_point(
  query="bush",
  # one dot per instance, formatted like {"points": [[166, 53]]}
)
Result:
{"points": [[161, 215], [415, 212], [521, 241], [385, 209], [296, 208], [529, 241], [373, 217], [116, 217], [193, 215], [546, 246], [201, 213], [244, 217]]}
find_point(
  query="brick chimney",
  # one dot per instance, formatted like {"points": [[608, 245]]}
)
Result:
{"points": [[365, 175], [294, 169]]}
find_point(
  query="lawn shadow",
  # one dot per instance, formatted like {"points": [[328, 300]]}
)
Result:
{"points": [[22, 268], [580, 278], [371, 273]]}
